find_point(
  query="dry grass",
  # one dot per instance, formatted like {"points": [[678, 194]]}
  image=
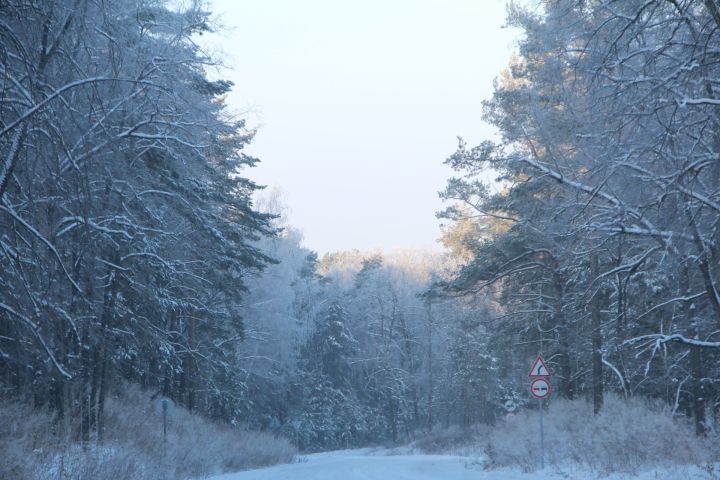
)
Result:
{"points": [[134, 448], [452, 441], [626, 437]]}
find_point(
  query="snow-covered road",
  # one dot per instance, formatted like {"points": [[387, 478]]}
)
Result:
{"points": [[360, 466], [372, 465]]}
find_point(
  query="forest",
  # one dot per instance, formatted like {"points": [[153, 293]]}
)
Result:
{"points": [[137, 258]]}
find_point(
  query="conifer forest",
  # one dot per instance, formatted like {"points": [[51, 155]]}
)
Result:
{"points": [[139, 261]]}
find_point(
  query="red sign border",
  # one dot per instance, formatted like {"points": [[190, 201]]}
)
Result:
{"points": [[544, 379], [542, 361]]}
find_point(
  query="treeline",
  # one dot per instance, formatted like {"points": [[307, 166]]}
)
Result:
{"points": [[603, 242], [131, 253], [130, 250], [596, 246], [344, 351], [125, 221]]}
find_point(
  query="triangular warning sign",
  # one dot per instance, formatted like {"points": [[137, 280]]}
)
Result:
{"points": [[539, 369]]}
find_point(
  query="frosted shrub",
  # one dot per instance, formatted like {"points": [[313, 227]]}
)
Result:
{"points": [[626, 436], [24, 444], [195, 446], [31, 447], [453, 440]]}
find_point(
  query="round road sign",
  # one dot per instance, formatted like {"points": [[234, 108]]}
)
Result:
{"points": [[540, 388], [164, 407]]}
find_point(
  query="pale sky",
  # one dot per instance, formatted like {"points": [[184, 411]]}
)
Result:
{"points": [[358, 103]]}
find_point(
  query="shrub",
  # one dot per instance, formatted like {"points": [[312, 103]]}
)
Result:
{"points": [[453, 440], [223, 448], [33, 448], [24, 445], [626, 436]]}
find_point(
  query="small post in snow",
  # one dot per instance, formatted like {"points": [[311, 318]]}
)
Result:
{"points": [[164, 415], [164, 407], [540, 389]]}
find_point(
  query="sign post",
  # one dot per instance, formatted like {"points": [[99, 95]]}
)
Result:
{"points": [[164, 407], [540, 388]]}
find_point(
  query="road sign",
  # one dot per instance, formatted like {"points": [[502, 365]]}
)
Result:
{"points": [[540, 388], [164, 407], [539, 369]]}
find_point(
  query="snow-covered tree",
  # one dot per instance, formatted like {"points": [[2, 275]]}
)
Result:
{"points": [[125, 223], [608, 118]]}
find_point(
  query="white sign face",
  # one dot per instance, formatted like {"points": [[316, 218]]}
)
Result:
{"points": [[539, 369], [540, 388]]}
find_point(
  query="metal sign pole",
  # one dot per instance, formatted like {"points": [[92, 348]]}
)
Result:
{"points": [[542, 436], [164, 409], [540, 388], [164, 415]]}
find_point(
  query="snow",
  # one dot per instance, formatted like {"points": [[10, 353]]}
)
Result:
{"points": [[369, 465], [360, 466]]}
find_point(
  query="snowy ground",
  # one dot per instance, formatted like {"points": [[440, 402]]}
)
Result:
{"points": [[368, 465]]}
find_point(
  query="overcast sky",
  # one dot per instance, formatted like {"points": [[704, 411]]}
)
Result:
{"points": [[358, 103]]}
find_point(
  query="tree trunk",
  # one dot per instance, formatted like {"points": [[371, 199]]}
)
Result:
{"points": [[698, 389], [596, 337], [392, 417], [431, 387], [102, 395], [621, 318], [566, 387], [696, 364], [86, 380]]}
